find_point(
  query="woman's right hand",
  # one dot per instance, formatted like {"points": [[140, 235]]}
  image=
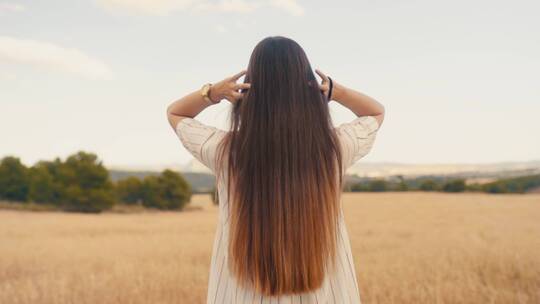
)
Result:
{"points": [[324, 86], [359, 103], [337, 89]]}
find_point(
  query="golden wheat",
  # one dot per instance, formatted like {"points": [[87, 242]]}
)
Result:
{"points": [[408, 248]]}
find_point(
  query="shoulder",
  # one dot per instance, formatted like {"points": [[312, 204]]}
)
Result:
{"points": [[190, 127], [357, 137], [360, 127], [200, 139]]}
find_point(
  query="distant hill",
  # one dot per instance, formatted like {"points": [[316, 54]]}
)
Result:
{"points": [[487, 170], [200, 182]]}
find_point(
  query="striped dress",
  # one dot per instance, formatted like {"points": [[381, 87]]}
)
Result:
{"points": [[356, 140]]}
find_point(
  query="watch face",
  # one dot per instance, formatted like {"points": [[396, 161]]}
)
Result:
{"points": [[205, 90]]}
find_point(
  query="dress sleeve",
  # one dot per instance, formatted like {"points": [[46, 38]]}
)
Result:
{"points": [[200, 140], [357, 138]]}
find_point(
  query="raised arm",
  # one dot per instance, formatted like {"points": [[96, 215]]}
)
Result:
{"points": [[194, 103], [359, 103]]}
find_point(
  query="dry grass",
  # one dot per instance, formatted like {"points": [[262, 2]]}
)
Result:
{"points": [[408, 248]]}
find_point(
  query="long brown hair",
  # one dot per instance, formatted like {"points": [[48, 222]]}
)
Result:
{"points": [[284, 175]]}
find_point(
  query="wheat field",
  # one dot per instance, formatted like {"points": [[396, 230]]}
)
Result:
{"points": [[408, 248]]}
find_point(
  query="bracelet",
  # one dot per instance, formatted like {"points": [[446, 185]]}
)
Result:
{"points": [[330, 89]]}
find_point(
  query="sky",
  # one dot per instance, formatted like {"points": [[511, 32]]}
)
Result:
{"points": [[460, 80]]}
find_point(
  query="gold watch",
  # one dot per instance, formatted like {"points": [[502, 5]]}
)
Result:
{"points": [[205, 92]]}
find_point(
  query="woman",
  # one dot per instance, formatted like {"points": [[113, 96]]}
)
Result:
{"points": [[281, 237]]}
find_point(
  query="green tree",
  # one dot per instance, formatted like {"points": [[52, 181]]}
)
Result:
{"points": [[43, 188], [129, 190], [152, 193], [167, 191], [177, 189], [377, 185], [520, 184], [495, 187], [14, 180], [456, 185], [429, 185], [359, 187], [401, 185], [214, 195], [86, 185], [473, 187]]}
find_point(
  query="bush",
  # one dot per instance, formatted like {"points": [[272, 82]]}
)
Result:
{"points": [[495, 187], [401, 185], [85, 184], [429, 185], [520, 184], [377, 185], [87, 200], [373, 185], [167, 191], [152, 193], [43, 188], [81, 183], [359, 187], [14, 180], [457, 185], [474, 187], [129, 190], [215, 197]]}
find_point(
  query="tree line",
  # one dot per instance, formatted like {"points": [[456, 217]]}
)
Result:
{"points": [[520, 184], [82, 183]]}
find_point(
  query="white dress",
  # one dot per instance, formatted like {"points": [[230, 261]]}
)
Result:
{"points": [[356, 139]]}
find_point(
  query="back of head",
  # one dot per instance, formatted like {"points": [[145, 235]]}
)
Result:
{"points": [[284, 174]]}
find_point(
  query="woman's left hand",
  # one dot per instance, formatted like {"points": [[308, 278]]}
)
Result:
{"points": [[228, 89]]}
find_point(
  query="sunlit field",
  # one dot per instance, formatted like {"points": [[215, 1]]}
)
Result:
{"points": [[408, 248]]}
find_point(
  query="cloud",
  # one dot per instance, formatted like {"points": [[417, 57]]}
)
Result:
{"points": [[238, 6], [165, 7], [47, 55], [290, 6], [11, 7], [150, 7]]}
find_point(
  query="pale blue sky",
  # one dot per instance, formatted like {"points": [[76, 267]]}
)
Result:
{"points": [[460, 79]]}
